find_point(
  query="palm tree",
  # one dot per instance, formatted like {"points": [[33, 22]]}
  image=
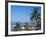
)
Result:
{"points": [[36, 16]]}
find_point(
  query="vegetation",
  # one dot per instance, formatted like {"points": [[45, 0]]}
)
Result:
{"points": [[36, 16], [18, 27]]}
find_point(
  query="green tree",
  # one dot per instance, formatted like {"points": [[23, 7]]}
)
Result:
{"points": [[35, 15], [18, 27]]}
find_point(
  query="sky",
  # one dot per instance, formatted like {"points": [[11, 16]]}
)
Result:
{"points": [[22, 13]]}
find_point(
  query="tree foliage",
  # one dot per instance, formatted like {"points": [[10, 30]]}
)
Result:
{"points": [[36, 16], [18, 27]]}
